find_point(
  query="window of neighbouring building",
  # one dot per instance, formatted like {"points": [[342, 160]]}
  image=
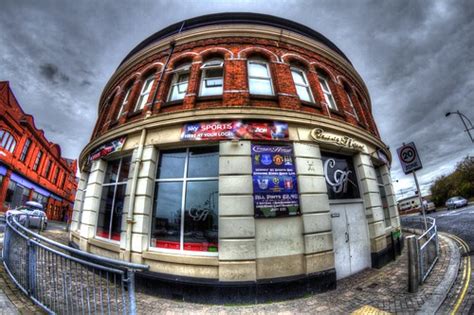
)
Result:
{"points": [[302, 86], [109, 222], [260, 80], [25, 149], [212, 78], [328, 96], [185, 210], [383, 196], [179, 83], [7, 141], [37, 160], [48, 168], [145, 92]]}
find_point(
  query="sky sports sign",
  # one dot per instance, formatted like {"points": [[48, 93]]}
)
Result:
{"points": [[234, 130], [275, 190]]}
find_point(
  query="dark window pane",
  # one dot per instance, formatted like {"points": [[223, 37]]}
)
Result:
{"points": [[340, 177], [171, 164], [105, 211], [167, 215], [203, 162], [112, 171], [124, 169], [118, 210], [201, 216]]}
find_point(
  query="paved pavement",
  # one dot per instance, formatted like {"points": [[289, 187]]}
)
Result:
{"points": [[369, 292], [459, 222]]}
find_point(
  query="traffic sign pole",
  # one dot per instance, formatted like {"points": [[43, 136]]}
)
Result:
{"points": [[421, 199]]}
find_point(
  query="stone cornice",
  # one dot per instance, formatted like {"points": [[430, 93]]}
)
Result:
{"points": [[180, 117]]}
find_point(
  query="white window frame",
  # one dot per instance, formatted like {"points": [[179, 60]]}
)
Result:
{"points": [[352, 104], [184, 69], [124, 102], [306, 85], [210, 65], [268, 78], [144, 93], [328, 96], [184, 180], [116, 183]]}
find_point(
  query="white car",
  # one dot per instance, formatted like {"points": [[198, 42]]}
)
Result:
{"points": [[456, 202], [31, 215]]}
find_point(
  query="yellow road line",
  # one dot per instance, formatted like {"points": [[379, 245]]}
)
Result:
{"points": [[466, 273]]}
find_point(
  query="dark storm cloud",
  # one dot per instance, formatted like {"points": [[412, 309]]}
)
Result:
{"points": [[51, 72], [415, 57]]}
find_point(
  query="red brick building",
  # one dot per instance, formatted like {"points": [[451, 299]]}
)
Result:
{"points": [[31, 167]]}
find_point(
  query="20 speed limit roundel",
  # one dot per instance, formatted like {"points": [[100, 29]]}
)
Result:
{"points": [[408, 154]]}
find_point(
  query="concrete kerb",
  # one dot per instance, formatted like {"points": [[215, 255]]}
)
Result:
{"points": [[434, 302]]}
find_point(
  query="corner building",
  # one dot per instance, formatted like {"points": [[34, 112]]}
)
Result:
{"points": [[237, 152]]}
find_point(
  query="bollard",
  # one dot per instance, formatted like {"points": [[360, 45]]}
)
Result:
{"points": [[412, 264]]}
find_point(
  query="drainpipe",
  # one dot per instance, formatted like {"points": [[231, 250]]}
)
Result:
{"points": [[133, 191]]}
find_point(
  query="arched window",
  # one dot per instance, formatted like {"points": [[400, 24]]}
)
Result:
{"points": [[7, 141], [124, 102], [145, 92], [301, 83], [212, 78], [260, 80], [179, 82], [349, 98], [328, 96]]}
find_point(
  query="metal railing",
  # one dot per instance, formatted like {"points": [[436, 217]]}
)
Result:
{"points": [[65, 280], [424, 248]]}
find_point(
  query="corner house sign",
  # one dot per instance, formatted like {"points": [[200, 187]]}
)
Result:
{"points": [[320, 135], [107, 148], [236, 129]]}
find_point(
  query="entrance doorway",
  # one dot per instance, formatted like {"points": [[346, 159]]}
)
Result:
{"points": [[350, 237]]}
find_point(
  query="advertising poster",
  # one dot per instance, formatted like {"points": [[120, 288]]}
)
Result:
{"points": [[234, 130], [108, 148], [275, 188]]}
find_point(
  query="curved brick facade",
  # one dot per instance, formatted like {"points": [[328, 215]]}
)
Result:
{"points": [[155, 190]]}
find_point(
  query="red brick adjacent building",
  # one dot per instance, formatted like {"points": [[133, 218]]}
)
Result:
{"points": [[31, 167]]}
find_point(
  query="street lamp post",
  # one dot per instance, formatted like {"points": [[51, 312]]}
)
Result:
{"points": [[462, 116]]}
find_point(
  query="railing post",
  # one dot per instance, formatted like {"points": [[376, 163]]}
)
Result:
{"points": [[131, 291], [31, 267], [413, 262]]}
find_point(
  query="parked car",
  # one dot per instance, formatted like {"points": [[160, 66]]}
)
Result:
{"points": [[31, 214], [456, 202], [429, 206]]}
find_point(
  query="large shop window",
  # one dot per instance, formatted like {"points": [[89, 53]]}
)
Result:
{"points": [[109, 223], [341, 180], [212, 80], [260, 81], [383, 196], [186, 200]]}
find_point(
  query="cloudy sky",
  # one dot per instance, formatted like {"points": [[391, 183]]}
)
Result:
{"points": [[416, 58]]}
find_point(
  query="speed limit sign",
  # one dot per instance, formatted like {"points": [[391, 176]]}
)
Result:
{"points": [[409, 158]]}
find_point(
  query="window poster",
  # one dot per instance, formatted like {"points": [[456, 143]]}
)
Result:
{"points": [[275, 190], [340, 176]]}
